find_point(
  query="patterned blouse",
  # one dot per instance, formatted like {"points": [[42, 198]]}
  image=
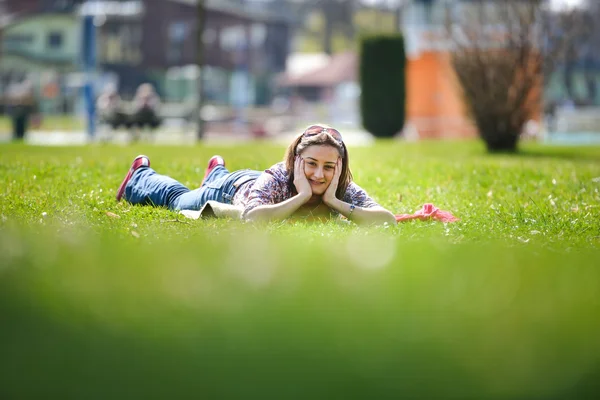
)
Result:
{"points": [[272, 187]]}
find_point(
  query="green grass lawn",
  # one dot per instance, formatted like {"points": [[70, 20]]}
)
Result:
{"points": [[100, 299]]}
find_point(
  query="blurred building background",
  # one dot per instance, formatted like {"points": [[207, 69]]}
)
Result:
{"points": [[435, 107], [290, 57], [149, 41]]}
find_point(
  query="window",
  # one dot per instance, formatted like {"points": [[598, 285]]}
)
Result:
{"points": [[18, 40], [177, 34], [55, 40]]}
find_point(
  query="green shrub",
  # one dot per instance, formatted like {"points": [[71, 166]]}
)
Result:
{"points": [[382, 81]]}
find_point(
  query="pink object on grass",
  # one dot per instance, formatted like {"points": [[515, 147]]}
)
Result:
{"points": [[429, 211]]}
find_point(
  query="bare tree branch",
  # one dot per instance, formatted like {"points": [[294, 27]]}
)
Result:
{"points": [[498, 59]]}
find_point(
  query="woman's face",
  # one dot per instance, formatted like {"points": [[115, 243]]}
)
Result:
{"points": [[319, 166]]}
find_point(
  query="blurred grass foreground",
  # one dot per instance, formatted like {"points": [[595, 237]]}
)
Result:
{"points": [[102, 300]]}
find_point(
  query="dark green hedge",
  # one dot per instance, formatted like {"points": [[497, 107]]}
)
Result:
{"points": [[383, 85]]}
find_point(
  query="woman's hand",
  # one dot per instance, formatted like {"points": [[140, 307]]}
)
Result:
{"points": [[300, 181], [329, 195]]}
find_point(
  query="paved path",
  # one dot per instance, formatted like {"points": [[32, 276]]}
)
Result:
{"points": [[352, 137]]}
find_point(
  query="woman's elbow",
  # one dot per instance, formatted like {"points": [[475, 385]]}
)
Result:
{"points": [[386, 217], [254, 215], [391, 218], [248, 216]]}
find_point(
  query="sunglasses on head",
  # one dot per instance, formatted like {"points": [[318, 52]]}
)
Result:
{"points": [[317, 129]]}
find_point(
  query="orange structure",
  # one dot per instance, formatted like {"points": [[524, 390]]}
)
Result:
{"points": [[434, 100]]}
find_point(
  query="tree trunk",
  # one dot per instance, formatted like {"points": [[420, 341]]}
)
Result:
{"points": [[201, 18], [590, 83], [328, 9], [398, 17], [568, 79], [348, 24]]}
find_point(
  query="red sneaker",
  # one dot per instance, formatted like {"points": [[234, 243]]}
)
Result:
{"points": [[140, 161], [212, 163]]}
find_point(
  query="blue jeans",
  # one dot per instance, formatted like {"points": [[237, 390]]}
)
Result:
{"points": [[146, 187]]}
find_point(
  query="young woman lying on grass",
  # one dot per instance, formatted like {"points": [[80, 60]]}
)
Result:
{"points": [[314, 180]]}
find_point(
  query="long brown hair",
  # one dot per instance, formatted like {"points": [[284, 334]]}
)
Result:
{"points": [[324, 138]]}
